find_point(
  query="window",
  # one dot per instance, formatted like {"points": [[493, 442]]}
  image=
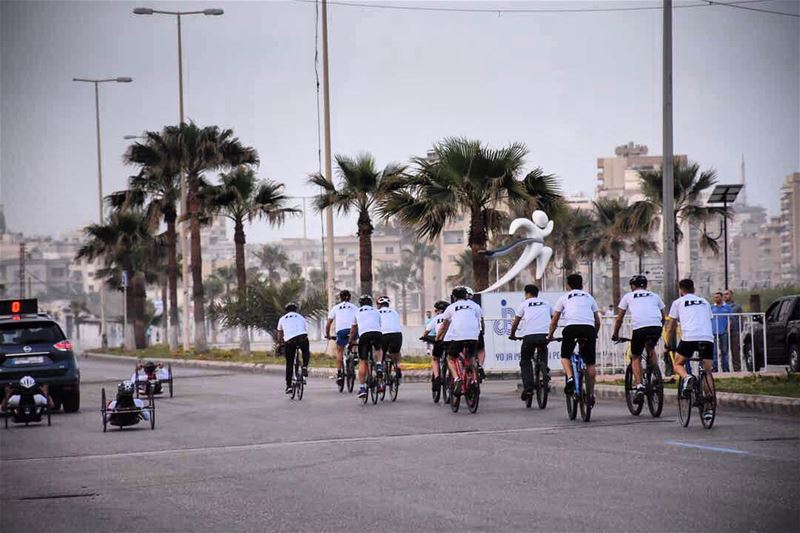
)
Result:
{"points": [[796, 312], [786, 308], [389, 249], [773, 311], [454, 237], [31, 333]]}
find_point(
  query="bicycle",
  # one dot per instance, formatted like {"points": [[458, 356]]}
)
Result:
{"points": [[442, 390], [350, 362], [541, 377], [653, 385], [579, 398], [702, 395], [375, 384], [298, 381], [467, 372]]}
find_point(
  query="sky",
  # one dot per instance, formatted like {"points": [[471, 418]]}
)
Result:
{"points": [[571, 86]]}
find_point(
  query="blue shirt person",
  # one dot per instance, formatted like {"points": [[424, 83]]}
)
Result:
{"points": [[719, 324]]}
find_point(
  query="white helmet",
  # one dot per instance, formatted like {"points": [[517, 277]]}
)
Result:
{"points": [[27, 382], [470, 292], [384, 300]]}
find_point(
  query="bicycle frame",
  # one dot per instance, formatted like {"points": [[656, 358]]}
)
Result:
{"points": [[578, 368]]}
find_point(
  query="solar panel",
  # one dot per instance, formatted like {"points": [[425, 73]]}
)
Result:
{"points": [[725, 194]]}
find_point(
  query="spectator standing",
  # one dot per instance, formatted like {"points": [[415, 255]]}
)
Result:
{"points": [[428, 320], [736, 323], [719, 325]]}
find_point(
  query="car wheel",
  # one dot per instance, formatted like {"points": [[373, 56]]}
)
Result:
{"points": [[71, 400], [794, 358], [55, 395]]}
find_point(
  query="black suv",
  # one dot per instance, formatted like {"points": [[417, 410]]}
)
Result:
{"points": [[34, 345], [783, 335]]}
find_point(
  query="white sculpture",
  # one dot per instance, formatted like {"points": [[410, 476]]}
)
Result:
{"points": [[534, 231]]}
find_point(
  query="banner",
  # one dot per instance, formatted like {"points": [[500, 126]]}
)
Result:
{"points": [[499, 309]]}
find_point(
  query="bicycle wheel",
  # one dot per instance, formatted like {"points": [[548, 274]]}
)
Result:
{"points": [[386, 380], [709, 403], [169, 369], [152, 408], [630, 395], [373, 390], [455, 399], [436, 391], [572, 406], [394, 387], [473, 395], [365, 399], [103, 410], [340, 384], [447, 395], [655, 391], [684, 405], [351, 376], [584, 402], [536, 385], [301, 384]]}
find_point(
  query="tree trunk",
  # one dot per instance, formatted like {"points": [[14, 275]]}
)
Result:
{"points": [[138, 298], [615, 282], [241, 280], [200, 342], [477, 243], [422, 303], [164, 322], [403, 301], [365, 251], [171, 319]]}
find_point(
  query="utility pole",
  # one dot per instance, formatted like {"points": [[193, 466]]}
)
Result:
{"points": [[668, 191], [328, 172], [21, 273]]}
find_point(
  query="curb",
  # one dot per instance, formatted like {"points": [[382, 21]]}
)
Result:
{"points": [[410, 376]]}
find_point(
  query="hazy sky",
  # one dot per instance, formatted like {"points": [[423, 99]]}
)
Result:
{"points": [[571, 86]]}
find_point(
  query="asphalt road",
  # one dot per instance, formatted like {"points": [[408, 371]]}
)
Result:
{"points": [[231, 453]]}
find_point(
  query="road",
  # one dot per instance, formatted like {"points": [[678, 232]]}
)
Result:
{"points": [[231, 453]]}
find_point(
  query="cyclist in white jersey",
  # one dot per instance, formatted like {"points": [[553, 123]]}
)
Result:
{"points": [[341, 315], [367, 329], [534, 314], [464, 319], [391, 332], [694, 314], [581, 322], [647, 322], [438, 345], [293, 336]]}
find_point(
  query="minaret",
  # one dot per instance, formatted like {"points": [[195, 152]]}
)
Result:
{"points": [[743, 194]]}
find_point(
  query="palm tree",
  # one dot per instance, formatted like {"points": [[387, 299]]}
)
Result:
{"points": [[464, 176], [404, 276], [641, 244], [464, 276], [690, 184], [242, 198], [419, 252], [156, 189], [570, 228], [273, 259], [125, 243], [607, 236], [199, 150], [361, 189], [80, 312]]}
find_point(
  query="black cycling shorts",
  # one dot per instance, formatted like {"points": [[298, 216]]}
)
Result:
{"points": [[370, 339], [572, 334], [392, 342], [642, 337], [532, 343], [481, 343], [703, 348], [438, 349], [468, 347]]}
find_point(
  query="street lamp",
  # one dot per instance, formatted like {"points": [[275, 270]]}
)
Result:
{"points": [[181, 225], [97, 82], [725, 195]]}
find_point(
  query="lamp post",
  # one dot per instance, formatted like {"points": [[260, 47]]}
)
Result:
{"points": [[96, 83], [182, 224], [725, 195]]}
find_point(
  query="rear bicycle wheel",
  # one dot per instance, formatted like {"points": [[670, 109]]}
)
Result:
{"points": [[584, 401], [537, 383], [436, 390], [572, 406], [455, 399], [365, 399], [655, 391], [350, 378], [394, 387], [684, 405], [473, 396], [542, 386], [630, 394], [447, 392], [709, 404]]}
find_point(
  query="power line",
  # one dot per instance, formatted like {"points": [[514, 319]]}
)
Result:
{"points": [[734, 4], [500, 11]]}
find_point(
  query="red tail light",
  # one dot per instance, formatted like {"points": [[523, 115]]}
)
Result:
{"points": [[63, 346]]}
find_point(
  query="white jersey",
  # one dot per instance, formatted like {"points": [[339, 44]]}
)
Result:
{"points": [[342, 314], [645, 308], [390, 320], [465, 320], [694, 314], [367, 319], [292, 325], [435, 325], [535, 314], [577, 307]]}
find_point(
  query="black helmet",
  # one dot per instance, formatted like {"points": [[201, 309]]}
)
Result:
{"points": [[639, 280], [149, 367], [291, 307], [125, 388], [460, 293], [441, 305], [344, 296], [365, 299]]}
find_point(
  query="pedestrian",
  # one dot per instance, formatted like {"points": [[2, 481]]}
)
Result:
{"points": [[735, 327], [610, 311], [428, 320], [720, 312]]}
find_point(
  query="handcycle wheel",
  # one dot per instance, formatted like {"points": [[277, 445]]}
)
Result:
{"points": [[436, 392], [684, 404], [152, 407], [655, 391], [169, 370], [630, 395], [103, 409], [709, 402]]}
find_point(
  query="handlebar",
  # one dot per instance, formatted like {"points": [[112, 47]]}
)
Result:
{"points": [[620, 340]]}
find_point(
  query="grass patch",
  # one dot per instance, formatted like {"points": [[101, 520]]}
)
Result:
{"points": [[161, 351], [787, 385]]}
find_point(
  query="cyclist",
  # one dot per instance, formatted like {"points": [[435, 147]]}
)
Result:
{"points": [[535, 315], [125, 400], [293, 336], [438, 346], [341, 315], [391, 332], [581, 321], [481, 347], [465, 318], [647, 321], [694, 314], [366, 329]]}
